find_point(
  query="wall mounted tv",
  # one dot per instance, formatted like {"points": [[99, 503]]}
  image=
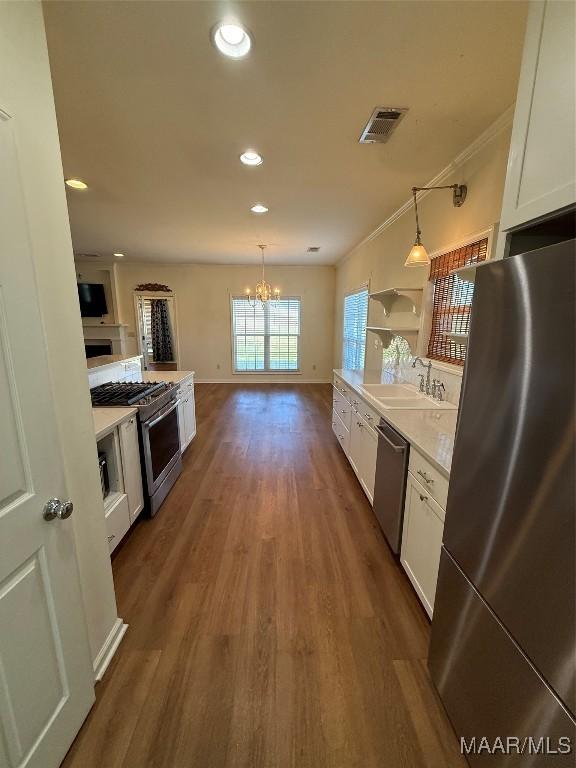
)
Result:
{"points": [[92, 299]]}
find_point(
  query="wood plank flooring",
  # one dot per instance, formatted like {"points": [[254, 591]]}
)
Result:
{"points": [[269, 624]]}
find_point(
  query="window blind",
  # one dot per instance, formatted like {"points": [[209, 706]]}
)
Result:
{"points": [[266, 337], [452, 301], [354, 331]]}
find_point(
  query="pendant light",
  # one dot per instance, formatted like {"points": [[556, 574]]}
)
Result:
{"points": [[264, 292], [418, 256]]}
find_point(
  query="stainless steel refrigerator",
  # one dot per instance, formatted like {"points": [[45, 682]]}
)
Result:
{"points": [[503, 645]]}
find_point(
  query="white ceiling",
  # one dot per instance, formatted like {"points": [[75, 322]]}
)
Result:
{"points": [[154, 118]]}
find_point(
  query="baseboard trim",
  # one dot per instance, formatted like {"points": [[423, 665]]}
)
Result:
{"points": [[270, 380], [106, 653]]}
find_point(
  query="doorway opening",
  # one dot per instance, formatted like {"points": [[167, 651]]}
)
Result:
{"points": [[157, 336]]}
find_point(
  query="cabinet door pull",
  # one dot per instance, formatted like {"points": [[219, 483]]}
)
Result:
{"points": [[368, 417], [425, 477], [111, 537], [423, 498]]}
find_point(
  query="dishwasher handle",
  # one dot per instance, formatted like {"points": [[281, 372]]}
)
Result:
{"points": [[396, 448]]}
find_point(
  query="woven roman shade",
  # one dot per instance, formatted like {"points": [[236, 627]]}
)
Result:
{"points": [[452, 301]]}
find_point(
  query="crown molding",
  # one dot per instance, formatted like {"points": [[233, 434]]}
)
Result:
{"points": [[493, 130]]}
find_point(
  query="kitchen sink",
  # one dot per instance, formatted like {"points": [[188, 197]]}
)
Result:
{"points": [[388, 390], [417, 402]]}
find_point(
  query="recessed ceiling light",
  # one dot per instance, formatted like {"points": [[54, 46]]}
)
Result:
{"points": [[259, 208], [232, 40], [119, 255], [76, 183], [251, 158]]}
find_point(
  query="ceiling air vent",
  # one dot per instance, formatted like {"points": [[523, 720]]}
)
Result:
{"points": [[382, 123], [313, 249]]}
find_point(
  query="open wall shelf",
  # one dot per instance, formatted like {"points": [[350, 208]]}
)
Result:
{"points": [[393, 330], [388, 296], [387, 333]]}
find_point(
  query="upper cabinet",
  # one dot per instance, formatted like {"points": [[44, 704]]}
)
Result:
{"points": [[542, 161]]}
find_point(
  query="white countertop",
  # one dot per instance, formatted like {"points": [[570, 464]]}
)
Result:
{"points": [[175, 377], [430, 431], [103, 360], [106, 419]]}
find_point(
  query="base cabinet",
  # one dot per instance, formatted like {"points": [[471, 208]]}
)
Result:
{"points": [[117, 518], [352, 424], [341, 432], [125, 498], [422, 541], [186, 413], [131, 467], [368, 461]]}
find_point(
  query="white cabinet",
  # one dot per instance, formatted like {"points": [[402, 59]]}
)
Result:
{"points": [[368, 461], [186, 413], [541, 166], [352, 423], [362, 453], [131, 466], [422, 541], [341, 431], [125, 499], [117, 520], [355, 448]]}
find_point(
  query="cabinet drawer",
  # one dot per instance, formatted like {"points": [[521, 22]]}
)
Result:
{"points": [[434, 482], [367, 413], [341, 431], [117, 521], [185, 388], [342, 388], [421, 542], [342, 407]]}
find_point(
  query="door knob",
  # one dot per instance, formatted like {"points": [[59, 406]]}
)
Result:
{"points": [[56, 508]]}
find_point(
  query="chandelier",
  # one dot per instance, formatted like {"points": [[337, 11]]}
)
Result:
{"points": [[264, 292]]}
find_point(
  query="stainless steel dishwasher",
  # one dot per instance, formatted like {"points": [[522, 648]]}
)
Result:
{"points": [[390, 483]]}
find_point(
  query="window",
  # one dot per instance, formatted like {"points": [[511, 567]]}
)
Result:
{"points": [[354, 332], [452, 301], [266, 337]]}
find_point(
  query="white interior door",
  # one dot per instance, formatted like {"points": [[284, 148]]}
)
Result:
{"points": [[46, 686]]}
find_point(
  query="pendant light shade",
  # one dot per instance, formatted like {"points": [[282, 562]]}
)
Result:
{"points": [[418, 256]]}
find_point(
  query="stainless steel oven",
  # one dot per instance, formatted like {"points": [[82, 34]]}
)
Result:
{"points": [[160, 444]]}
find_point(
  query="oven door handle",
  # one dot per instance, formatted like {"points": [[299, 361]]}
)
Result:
{"points": [[150, 424]]}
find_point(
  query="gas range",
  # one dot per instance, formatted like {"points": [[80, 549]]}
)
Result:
{"points": [[158, 430], [149, 397]]}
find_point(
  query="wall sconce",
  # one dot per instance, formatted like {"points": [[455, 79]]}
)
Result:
{"points": [[418, 256]]}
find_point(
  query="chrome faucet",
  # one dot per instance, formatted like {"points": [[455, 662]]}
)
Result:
{"points": [[438, 390], [427, 366]]}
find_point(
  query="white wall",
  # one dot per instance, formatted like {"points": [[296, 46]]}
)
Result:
{"points": [[26, 94], [203, 313], [380, 260]]}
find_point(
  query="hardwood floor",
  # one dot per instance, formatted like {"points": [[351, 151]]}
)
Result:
{"points": [[269, 625]]}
